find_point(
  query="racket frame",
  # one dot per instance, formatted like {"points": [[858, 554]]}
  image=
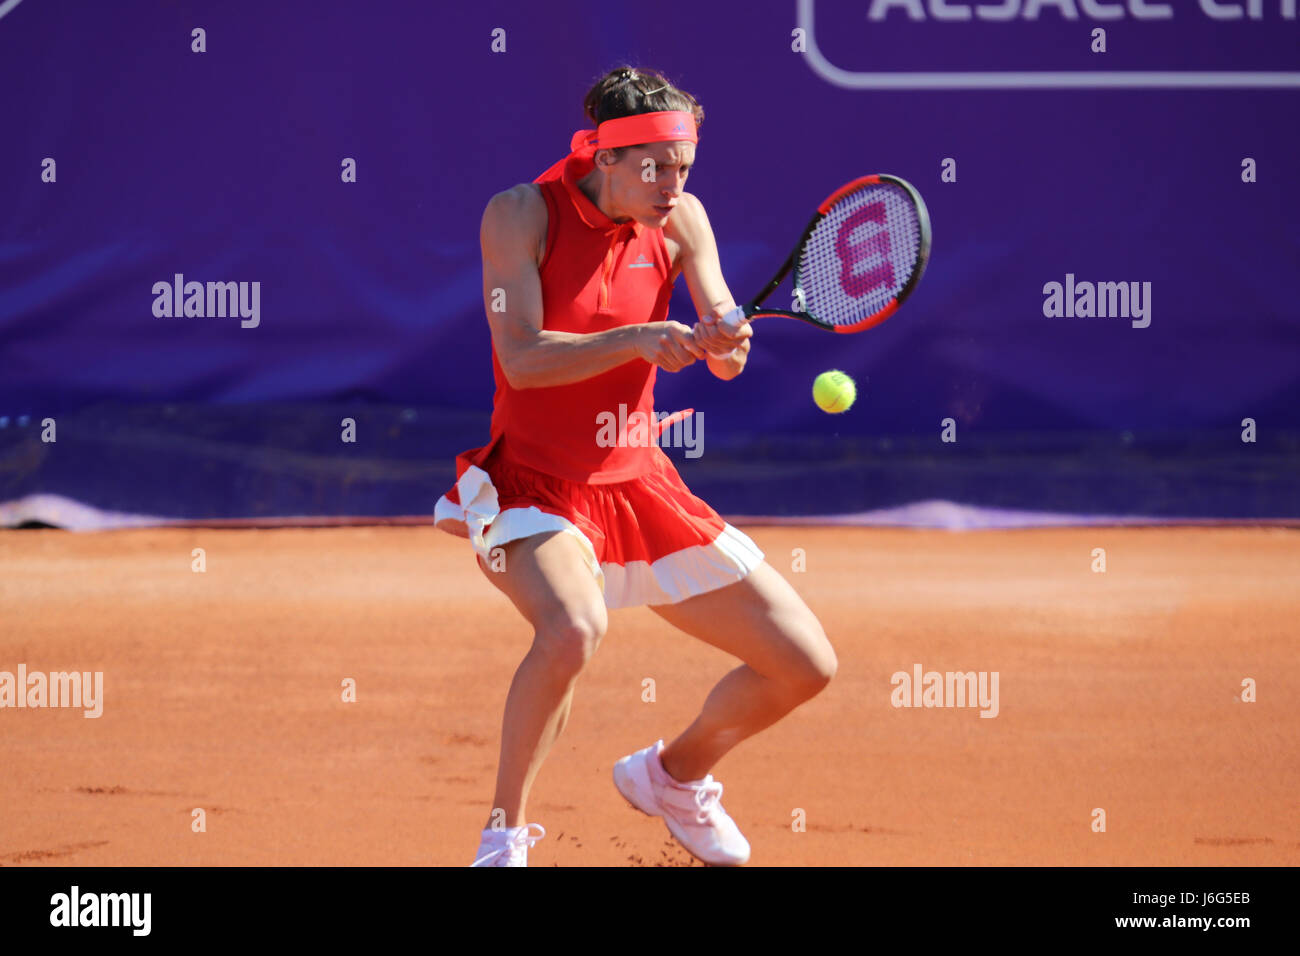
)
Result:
{"points": [[755, 309]]}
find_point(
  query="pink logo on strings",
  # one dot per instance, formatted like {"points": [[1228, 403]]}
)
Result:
{"points": [[851, 252]]}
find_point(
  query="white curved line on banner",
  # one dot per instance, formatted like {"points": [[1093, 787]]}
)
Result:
{"points": [[8, 5], [1026, 79]]}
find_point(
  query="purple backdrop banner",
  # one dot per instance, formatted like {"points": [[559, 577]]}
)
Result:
{"points": [[1060, 146]]}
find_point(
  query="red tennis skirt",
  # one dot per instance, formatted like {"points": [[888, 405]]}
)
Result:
{"points": [[646, 541]]}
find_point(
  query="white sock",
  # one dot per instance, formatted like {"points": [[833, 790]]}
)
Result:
{"points": [[505, 834]]}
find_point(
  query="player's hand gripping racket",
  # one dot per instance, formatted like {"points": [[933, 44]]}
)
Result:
{"points": [[857, 261]]}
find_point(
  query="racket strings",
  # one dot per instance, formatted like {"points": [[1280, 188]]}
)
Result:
{"points": [[859, 256]]}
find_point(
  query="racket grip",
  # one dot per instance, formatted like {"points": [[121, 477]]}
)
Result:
{"points": [[733, 320]]}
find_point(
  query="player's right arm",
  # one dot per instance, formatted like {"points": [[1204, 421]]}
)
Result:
{"points": [[512, 237]]}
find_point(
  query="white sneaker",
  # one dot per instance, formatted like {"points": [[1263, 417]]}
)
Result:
{"points": [[692, 811], [508, 847]]}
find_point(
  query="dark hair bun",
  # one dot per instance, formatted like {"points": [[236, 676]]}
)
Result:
{"points": [[627, 91]]}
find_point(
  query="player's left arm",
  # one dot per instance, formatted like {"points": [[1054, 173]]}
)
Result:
{"points": [[689, 227]]}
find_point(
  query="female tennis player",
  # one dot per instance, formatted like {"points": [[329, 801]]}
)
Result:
{"points": [[578, 267]]}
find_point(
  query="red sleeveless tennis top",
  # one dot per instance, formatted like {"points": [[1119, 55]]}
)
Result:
{"points": [[596, 274]]}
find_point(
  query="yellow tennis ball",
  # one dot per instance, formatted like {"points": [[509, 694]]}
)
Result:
{"points": [[834, 392]]}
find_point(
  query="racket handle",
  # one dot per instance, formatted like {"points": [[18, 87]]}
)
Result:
{"points": [[734, 319], [731, 321]]}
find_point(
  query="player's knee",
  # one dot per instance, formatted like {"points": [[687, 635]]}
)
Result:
{"points": [[569, 638], [827, 666], [818, 664], [814, 677]]}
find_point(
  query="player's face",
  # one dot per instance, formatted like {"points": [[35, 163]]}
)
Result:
{"points": [[647, 182]]}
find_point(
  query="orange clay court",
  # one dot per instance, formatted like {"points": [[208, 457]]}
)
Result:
{"points": [[223, 691]]}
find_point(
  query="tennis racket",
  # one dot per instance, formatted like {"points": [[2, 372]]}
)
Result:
{"points": [[858, 260]]}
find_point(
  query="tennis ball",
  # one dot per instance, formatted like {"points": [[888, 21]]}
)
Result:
{"points": [[834, 392]]}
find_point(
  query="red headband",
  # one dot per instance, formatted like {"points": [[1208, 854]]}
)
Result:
{"points": [[663, 127]]}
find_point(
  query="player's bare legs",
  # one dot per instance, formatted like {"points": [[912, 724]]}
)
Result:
{"points": [[763, 621], [547, 579]]}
